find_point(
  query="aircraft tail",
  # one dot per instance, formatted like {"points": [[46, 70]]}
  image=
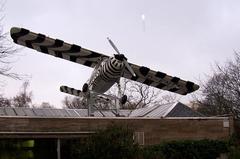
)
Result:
{"points": [[71, 91], [79, 93]]}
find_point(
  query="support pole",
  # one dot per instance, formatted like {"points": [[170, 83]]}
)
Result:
{"points": [[58, 149], [118, 104], [90, 100]]}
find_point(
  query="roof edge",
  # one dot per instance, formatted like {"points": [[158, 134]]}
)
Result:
{"points": [[170, 109]]}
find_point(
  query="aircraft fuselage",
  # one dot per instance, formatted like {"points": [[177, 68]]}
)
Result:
{"points": [[106, 74]]}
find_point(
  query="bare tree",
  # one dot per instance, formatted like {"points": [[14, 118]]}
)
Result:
{"points": [[73, 103], [221, 93], [46, 105], [24, 97], [141, 95], [138, 96], [7, 52], [4, 102]]}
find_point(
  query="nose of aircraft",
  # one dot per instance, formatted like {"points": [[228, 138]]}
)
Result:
{"points": [[120, 57], [118, 64]]}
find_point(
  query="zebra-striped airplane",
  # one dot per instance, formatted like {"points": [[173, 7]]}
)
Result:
{"points": [[107, 70]]}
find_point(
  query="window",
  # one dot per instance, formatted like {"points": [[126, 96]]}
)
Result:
{"points": [[139, 138]]}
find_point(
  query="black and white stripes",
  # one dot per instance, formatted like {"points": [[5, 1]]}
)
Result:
{"points": [[71, 91], [112, 70], [55, 47], [160, 80], [109, 72]]}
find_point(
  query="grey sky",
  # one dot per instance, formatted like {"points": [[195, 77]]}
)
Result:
{"points": [[182, 38]]}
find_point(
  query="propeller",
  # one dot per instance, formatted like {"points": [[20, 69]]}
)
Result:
{"points": [[124, 59]]}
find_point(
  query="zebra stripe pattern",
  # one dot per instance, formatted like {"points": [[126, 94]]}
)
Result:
{"points": [[160, 80], [109, 72], [55, 47], [112, 70], [75, 92], [75, 53], [70, 90]]}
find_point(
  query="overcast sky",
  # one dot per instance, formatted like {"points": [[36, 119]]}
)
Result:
{"points": [[182, 38]]}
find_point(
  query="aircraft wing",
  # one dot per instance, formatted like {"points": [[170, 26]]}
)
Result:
{"points": [[55, 47], [160, 80]]}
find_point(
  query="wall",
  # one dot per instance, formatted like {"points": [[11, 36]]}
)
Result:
{"points": [[155, 130]]}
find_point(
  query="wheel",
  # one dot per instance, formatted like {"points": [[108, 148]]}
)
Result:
{"points": [[123, 99], [85, 88]]}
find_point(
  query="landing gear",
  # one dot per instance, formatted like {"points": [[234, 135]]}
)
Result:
{"points": [[85, 88], [123, 100]]}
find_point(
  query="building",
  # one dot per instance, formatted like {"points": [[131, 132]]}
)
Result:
{"points": [[151, 125], [157, 111]]}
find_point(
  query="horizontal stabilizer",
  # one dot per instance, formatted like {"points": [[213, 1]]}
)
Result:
{"points": [[75, 92], [70, 90]]}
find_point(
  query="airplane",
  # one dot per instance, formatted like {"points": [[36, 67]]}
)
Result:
{"points": [[107, 69]]}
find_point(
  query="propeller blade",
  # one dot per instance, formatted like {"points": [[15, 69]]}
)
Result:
{"points": [[125, 61], [112, 44], [129, 68]]}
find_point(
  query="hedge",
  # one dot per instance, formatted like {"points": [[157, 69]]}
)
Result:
{"points": [[187, 149], [117, 142]]}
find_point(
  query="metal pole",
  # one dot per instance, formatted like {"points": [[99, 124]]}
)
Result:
{"points": [[118, 104], [90, 104], [58, 149]]}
